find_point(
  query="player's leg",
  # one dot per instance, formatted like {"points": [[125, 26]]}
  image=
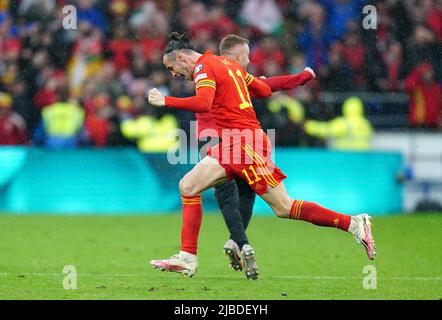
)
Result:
{"points": [[266, 180], [246, 201], [237, 246], [228, 201], [285, 207], [204, 175]]}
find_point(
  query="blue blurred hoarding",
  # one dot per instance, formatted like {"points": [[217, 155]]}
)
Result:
{"points": [[123, 181]]}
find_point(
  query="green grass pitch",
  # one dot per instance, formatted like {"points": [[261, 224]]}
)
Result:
{"points": [[297, 260]]}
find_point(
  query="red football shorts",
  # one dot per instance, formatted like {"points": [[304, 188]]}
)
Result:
{"points": [[248, 156]]}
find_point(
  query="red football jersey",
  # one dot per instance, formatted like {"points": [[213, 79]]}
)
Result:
{"points": [[277, 83], [205, 125], [231, 106]]}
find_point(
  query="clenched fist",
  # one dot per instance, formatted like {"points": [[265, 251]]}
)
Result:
{"points": [[156, 98]]}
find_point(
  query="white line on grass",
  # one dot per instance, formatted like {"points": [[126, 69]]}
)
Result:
{"points": [[307, 277]]}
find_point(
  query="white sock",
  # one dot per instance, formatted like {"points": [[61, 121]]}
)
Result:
{"points": [[353, 225], [188, 257]]}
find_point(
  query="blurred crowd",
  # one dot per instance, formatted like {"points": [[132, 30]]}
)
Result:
{"points": [[86, 87]]}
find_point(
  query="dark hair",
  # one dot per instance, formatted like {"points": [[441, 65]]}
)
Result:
{"points": [[228, 42], [178, 41]]}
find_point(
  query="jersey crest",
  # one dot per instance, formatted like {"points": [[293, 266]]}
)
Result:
{"points": [[198, 68]]}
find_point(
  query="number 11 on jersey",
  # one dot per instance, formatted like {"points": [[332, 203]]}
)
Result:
{"points": [[245, 103], [256, 177]]}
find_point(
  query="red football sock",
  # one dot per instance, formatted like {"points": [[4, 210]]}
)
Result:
{"points": [[192, 217], [311, 212]]}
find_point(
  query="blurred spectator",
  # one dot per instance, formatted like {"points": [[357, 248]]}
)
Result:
{"points": [[22, 104], [434, 19], [125, 108], [108, 80], [36, 9], [12, 126], [297, 63], [147, 15], [89, 12], [46, 95], [423, 47], [337, 76], [267, 51], [392, 75], [341, 13], [119, 10], [139, 65], [151, 26], [152, 45], [98, 125], [224, 24], [197, 20], [425, 109], [61, 126], [394, 22], [86, 59], [137, 91], [315, 37], [10, 44], [288, 116], [354, 53], [120, 47], [349, 132], [160, 81]]}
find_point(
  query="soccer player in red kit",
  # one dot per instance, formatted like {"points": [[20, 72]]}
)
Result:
{"points": [[222, 88], [235, 197]]}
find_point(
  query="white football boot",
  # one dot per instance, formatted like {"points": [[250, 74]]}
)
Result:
{"points": [[360, 227], [249, 262], [231, 250], [183, 262]]}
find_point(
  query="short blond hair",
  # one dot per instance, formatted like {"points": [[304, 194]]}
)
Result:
{"points": [[228, 42]]}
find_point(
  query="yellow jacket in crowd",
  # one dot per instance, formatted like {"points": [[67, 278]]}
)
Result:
{"points": [[352, 131], [152, 134]]}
